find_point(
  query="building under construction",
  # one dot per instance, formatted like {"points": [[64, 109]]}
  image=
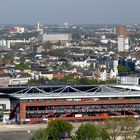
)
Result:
{"points": [[74, 103]]}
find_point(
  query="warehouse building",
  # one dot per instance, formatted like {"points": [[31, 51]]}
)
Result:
{"points": [[55, 38]]}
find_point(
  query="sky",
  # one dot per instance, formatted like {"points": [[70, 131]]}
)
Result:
{"points": [[71, 11]]}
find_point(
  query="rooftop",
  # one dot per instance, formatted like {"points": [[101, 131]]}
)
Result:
{"points": [[73, 92]]}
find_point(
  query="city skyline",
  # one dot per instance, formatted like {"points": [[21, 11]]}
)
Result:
{"points": [[76, 12]]}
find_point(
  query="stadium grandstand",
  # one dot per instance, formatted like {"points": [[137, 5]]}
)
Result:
{"points": [[75, 103]]}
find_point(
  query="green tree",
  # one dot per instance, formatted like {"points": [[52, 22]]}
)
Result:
{"points": [[110, 81], [113, 126], [41, 134], [55, 128], [122, 69], [74, 138], [124, 127], [22, 66], [40, 81], [103, 134], [53, 131], [91, 132], [67, 78], [137, 136], [85, 81], [128, 127], [86, 132]]}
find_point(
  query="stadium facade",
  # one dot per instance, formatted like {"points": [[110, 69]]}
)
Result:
{"points": [[74, 103]]}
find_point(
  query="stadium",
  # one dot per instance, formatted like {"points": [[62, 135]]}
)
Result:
{"points": [[74, 103]]}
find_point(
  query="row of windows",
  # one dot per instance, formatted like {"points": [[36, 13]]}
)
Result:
{"points": [[78, 107], [85, 110]]}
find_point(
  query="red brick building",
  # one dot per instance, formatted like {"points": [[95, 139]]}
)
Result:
{"points": [[121, 30]]}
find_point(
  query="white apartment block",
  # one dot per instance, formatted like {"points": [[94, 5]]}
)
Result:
{"points": [[123, 43], [7, 43], [81, 64], [132, 80]]}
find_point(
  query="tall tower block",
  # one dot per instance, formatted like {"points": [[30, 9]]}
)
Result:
{"points": [[123, 39], [121, 30]]}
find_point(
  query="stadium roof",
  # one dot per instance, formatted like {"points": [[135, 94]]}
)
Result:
{"points": [[72, 92]]}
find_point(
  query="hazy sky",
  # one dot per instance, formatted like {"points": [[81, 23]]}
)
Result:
{"points": [[72, 11]]}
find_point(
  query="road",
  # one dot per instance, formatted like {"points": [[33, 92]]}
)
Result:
{"points": [[18, 132]]}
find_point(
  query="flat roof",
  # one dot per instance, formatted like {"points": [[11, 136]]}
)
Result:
{"points": [[72, 92]]}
